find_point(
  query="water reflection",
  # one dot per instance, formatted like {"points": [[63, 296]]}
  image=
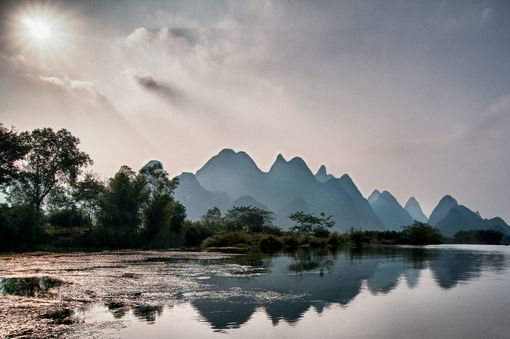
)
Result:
{"points": [[457, 265], [292, 283], [287, 285]]}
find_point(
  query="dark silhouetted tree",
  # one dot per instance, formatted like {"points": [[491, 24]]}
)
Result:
{"points": [[13, 147], [308, 224], [54, 160], [247, 218], [119, 216], [212, 219], [420, 233], [88, 193]]}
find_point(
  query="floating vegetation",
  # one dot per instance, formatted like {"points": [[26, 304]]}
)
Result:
{"points": [[29, 286]]}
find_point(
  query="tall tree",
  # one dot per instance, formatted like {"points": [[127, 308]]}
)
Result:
{"points": [[13, 147], [88, 193], [212, 219], [310, 224], [161, 214], [54, 159], [119, 215], [248, 218]]}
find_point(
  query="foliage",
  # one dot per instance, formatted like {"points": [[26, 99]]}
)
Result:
{"points": [[270, 243], [67, 219], [420, 234], [88, 193], [21, 228], [308, 224], [316, 242], [212, 219], [479, 236], [356, 236], [53, 160], [334, 239], [228, 239], [119, 214], [196, 232], [13, 147], [247, 218], [291, 240]]}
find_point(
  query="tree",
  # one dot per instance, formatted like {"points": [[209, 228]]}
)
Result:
{"points": [[420, 233], [212, 219], [88, 192], [161, 214], [247, 218], [119, 214], [309, 224], [12, 149], [54, 160]]}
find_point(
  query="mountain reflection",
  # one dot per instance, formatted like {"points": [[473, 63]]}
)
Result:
{"points": [[288, 284]]}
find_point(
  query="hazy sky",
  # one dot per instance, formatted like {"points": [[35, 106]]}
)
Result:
{"points": [[409, 97]]}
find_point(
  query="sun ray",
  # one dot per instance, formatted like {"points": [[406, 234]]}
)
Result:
{"points": [[39, 29]]}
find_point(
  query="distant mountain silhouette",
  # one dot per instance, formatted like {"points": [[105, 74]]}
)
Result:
{"points": [[322, 175], [367, 215], [246, 200], [235, 174], [442, 209], [233, 179], [387, 208], [197, 199], [413, 208], [461, 218]]}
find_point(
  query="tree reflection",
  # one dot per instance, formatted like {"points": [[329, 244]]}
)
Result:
{"points": [[296, 287], [288, 284]]}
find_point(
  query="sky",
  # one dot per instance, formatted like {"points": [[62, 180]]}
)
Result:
{"points": [[409, 97]]}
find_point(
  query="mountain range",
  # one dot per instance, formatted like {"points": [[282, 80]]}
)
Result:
{"points": [[233, 179]]}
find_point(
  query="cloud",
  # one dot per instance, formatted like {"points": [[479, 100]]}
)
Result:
{"points": [[486, 15], [153, 85], [494, 122], [81, 88]]}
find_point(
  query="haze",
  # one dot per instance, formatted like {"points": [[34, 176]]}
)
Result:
{"points": [[413, 98]]}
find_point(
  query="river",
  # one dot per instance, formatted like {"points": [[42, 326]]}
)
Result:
{"points": [[443, 291]]}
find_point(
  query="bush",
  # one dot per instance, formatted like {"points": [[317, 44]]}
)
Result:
{"points": [[334, 239], [291, 240], [270, 243], [21, 228], [227, 239], [356, 236], [195, 233], [315, 242], [420, 234], [479, 236], [321, 233]]}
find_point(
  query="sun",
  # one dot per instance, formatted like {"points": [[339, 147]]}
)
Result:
{"points": [[38, 29]]}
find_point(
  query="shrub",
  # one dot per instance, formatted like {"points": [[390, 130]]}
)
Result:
{"points": [[420, 234], [315, 242], [195, 233], [270, 243], [356, 236], [227, 239], [291, 240], [21, 228], [334, 239]]}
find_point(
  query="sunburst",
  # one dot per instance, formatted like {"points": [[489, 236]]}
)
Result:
{"points": [[38, 29]]}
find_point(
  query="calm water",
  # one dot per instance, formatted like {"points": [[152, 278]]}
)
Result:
{"points": [[389, 292]]}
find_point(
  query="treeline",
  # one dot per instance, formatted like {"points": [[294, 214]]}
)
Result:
{"points": [[48, 193], [53, 201], [479, 237]]}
